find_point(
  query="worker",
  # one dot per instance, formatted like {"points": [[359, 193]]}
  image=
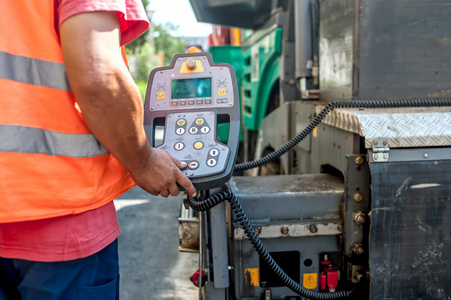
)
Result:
{"points": [[71, 140]]}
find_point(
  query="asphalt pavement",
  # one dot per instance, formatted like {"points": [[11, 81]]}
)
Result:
{"points": [[151, 265]]}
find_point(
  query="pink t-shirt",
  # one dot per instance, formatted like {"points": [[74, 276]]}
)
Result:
{"points": [[74, 236], [132, 16]]}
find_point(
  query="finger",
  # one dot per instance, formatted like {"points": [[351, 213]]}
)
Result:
{"points": [[186, 184], [152, 192], [174, 190], [164, 193], [180, 164]]}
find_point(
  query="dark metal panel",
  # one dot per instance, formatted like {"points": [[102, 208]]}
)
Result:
{"points": [[335, 44], [308, 247], [288, 90], [357, 200], [270, 135], [385, 49], [405, 49], [330, 145], [217, 224], [303, 40], [289, 197], [234, 13], [410, 236]]}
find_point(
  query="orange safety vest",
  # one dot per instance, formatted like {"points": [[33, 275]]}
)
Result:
{"points": [[50, 163]]}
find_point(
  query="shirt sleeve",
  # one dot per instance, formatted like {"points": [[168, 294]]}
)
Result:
{"points": [[131, 13]]}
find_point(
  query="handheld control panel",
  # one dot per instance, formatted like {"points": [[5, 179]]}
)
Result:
{"points": [[190, 98]]}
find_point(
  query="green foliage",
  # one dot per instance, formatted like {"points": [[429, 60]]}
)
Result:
{"points": [[142, 86], [136, 44], [167, 43], [142, 55], [145, 62]]}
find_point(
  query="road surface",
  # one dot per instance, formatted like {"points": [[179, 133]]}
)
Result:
{"points": [[151, 266]]}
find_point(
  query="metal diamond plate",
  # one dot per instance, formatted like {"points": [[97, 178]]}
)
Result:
{"points": [[402, 127]]}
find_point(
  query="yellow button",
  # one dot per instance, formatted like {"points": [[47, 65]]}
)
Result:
{"points": [[310, 281], [161, 95], [181, 122], [198, 145], [222, 92], [199, 121]]}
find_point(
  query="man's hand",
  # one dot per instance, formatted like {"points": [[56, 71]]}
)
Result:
{"points": [[165, 173], [111, 103]]}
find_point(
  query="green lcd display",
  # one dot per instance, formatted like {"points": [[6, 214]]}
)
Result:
{"points": [[191, 88]]}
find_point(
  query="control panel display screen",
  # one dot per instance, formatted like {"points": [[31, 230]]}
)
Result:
{"points": [[191, 88]]}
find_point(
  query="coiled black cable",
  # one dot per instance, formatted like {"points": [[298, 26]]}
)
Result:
{"points": [[246, 224], [244, 221], [340, 104]]}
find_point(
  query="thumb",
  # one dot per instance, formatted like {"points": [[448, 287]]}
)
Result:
{"points": [[178, 163]]}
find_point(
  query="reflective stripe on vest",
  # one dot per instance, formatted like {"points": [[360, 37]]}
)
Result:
{"points": [[50, 163], [34, 71], [22, 139]]}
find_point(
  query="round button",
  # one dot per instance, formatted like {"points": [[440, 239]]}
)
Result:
{"points": [[193, 130], [214, 152], [198, 145], [205, 129], [179, 146], [181, 122], [193, 165], [180, 131], [211, 162], [200, 121]]}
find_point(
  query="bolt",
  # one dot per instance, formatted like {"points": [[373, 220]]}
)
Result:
{"points": [[359, 218], [313, 228], [375, 143], [358, 197], [385, 143], [359, 160], [425, 155], [385, 156], [358, 276], [358, 249], [376, 157], [284, 230], [190, 63], [340, 228]]}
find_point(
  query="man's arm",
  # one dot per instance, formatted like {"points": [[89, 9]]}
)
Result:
{"points": [[111, 103]]}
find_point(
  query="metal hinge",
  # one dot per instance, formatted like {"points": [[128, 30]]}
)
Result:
{"points": [[380, 150]]}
